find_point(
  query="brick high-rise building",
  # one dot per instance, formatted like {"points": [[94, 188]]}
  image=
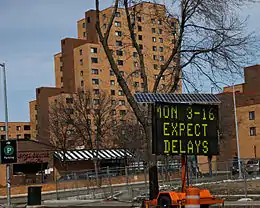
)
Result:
{"points": [[82, 62], [247, 97]]}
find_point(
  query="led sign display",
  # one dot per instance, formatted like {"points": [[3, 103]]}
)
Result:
{"points": [[185, 129]]}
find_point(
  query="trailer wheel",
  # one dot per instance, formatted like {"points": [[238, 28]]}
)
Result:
{"points": [[164, 201], [204, 206]]}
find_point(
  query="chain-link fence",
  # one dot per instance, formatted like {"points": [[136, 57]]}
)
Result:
{"points": [[221, 178]]}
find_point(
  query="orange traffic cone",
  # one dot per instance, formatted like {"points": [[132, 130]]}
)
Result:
{"points": [[192, 198]]}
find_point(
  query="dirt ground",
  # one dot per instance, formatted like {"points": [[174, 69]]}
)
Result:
{"points": [[232, 187]]}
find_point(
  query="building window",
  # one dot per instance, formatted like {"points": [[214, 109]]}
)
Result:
{"points": [[88, 19], [139, 28], [113, 112], [119, 53], [136, 74], [135, 64], [2, 137], [93, 50], [27, 136], [154, 39], [19, 136], [2, 128], [142, 85], [122, 112], [120, 92], [153, 30], [154, 48], [94, 60], [80, 52], [94, 71], [136, 84], [121, 73], [69, 100], [112, 73], [104, 26], [96, 91], [35, 108], [119, 43], [61, 79], [118, 33], [161, 58], [154, 57], [160, 31], [82, 83], [141, 46], [155, 66], [135, 54], [140, 37], [121, 102], [96, 101], [161, 49], [120, 62], [159, 22], [84, 34], [113, 92], [112, 82], [153, 21], [113, 102], [81, 73], [69, 111], [18, 128], [252, 115], [61, 68], [95, 81], [81, 61], [104, 16], [117, 14], [252, 131], [84, 25], [118, 24], [160, 40], [139, 19]]}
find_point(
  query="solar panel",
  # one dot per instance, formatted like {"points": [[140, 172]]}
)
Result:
{"points": [[176, 98]]}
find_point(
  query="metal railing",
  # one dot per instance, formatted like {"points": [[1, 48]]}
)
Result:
{"points": [[130, 182]]}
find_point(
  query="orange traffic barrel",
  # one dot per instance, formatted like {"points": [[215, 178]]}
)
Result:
{"points": [[192, 198]]}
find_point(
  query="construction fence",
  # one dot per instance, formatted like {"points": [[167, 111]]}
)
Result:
{"points": [[221, 178]]}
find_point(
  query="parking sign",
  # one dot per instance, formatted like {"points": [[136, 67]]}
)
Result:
{"points": [[8, 151]]}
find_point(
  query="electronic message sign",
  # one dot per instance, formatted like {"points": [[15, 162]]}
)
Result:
{"points": [[185, 129]]}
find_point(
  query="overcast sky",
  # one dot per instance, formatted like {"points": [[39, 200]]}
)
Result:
{"points": [[30, 34]]}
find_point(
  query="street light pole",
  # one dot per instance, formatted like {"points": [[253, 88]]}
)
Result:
{"points": [[237, 136], [8, 180]]}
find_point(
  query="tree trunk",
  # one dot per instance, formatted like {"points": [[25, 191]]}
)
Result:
{"points": [[96, 171], [152, 161]]}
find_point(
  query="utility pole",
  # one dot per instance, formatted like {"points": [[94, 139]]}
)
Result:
{"points": [[237, 136], [8, 180]]}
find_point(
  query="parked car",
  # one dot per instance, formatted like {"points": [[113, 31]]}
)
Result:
{"points": [[253, 166]]}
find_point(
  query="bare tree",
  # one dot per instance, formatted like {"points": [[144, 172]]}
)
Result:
{"points": [[129, 134], [62, 135], [208, 39], [83, 119]]}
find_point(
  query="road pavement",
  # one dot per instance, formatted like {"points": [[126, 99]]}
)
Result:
{"points": [[138, 186]]}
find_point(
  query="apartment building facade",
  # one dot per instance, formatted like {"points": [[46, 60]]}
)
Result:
{"points": [[82, 63], [16, 130], [247, 97]]}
